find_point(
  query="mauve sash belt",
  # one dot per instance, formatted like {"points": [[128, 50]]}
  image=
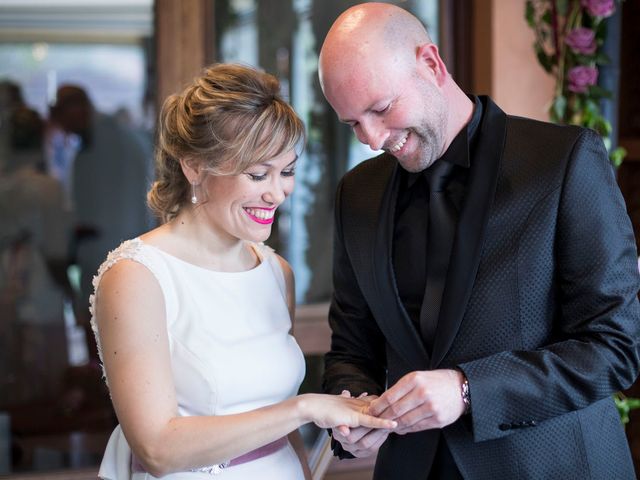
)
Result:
{"points": [[268, 449]]}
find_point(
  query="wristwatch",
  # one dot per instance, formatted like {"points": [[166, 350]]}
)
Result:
{"points": [[464, 391]]}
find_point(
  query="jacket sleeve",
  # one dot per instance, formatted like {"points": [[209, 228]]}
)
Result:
{"points": [[597, 319], [357, 360]]}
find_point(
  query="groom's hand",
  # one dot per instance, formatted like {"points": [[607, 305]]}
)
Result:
{"points": [[361, 441], [422, 400]]}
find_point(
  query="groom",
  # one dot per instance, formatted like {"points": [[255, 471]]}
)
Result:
{"points": [[484, 269]]}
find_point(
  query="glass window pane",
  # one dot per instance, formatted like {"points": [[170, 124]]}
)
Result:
{"points": [[55, 411], [284, 37]]}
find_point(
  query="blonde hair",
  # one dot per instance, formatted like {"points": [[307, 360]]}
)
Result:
{"points": [[230, 118]]}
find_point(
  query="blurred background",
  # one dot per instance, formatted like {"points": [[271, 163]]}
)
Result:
{"points": [[81, 82]]}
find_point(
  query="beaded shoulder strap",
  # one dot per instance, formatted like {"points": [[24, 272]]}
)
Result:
{"points": [[129, 250]]}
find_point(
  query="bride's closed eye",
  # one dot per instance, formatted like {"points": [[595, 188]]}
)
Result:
{"points": [[258, 177]]}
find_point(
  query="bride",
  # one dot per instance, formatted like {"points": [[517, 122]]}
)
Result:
{"points": [[193, 319]]}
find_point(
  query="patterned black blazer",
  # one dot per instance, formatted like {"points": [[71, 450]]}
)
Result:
{"points": [[540, 308]]}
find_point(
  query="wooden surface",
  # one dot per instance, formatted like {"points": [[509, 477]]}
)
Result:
{"points": [[311, 328], [632, 145], [184, 43]]}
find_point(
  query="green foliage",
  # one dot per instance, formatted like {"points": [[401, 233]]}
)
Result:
{"points": [[568, 44], [625, 405], [617, 156]]}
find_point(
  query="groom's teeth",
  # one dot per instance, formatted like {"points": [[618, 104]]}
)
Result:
{"points": [[399, 145]]}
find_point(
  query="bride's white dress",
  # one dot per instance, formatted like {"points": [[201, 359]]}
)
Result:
{"points": [[230, 348]]}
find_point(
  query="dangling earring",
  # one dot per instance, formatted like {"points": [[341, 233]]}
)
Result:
{"points": [[194, 199]]}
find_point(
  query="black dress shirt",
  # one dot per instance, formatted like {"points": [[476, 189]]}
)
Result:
{"points": [[411, 216]]}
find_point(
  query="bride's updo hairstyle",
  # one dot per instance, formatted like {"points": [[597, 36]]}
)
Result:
{"points": [[230, 118]]}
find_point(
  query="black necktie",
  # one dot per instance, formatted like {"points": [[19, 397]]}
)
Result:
{"points": [[440, 234]]}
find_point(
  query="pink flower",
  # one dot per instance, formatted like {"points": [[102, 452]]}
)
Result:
{"points": [[581, 78], [599, 8], [582, 40]]}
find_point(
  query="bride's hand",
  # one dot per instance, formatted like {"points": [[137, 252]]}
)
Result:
{"points": [[328, 411], [343, 429]]}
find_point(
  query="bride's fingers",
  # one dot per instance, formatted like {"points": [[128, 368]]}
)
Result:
{"points": [[374, 422], [343, 429]]}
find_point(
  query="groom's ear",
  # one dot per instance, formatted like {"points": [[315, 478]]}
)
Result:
{"points": [[430, 64]]}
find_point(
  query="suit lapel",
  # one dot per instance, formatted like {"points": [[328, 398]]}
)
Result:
{"points": [[469, 239], [395, 324]]}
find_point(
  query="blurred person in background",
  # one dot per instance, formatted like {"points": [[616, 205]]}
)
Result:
{"points": [[60, 150], [108, 185], [144, 135], [10, 99], [34, 238]]}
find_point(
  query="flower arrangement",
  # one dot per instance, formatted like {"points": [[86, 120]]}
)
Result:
{"points": [[569, 35]]}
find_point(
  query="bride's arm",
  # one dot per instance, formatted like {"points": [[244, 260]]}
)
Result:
{"points": [[131, 320]]}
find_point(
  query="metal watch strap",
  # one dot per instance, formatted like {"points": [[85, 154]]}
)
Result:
{"points": [[466, 397]]}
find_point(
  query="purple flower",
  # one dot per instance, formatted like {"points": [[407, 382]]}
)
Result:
{"points": [[581, 78], [582, 40], [599, 8]]}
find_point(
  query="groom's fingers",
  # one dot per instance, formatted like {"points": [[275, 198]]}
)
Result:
{"points": [[410, 392], [427, 423], [358, 434], [370, 443], [362, 442], [390, 397], [393, 410], [375, 439], [408, 408]]}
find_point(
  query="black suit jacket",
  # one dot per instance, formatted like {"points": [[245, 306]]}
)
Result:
{"points": [[540, 307]]}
